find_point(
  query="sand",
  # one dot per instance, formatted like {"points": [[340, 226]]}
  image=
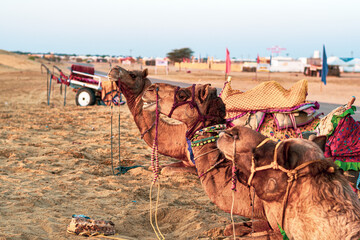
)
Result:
{"points": [[56, 162]]}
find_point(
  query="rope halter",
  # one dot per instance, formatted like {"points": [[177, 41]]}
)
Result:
{"points": [[192, 103], [293, 174]]}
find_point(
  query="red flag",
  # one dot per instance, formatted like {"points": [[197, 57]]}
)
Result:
{"points": [[228, 62], [258, 59]]}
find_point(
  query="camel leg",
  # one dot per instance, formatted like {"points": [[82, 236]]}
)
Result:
{"points": [[262, 230], [241, 229], [177, 167]]}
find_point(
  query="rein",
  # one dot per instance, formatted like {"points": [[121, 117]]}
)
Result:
{"points": [[292, 174], [155, 168]]}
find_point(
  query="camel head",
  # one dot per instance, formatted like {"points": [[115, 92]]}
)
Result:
{"points": [[270, 184], [187, 105], [131, 82]]}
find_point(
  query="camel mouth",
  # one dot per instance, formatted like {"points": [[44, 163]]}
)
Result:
{"points": [[147, 105]]}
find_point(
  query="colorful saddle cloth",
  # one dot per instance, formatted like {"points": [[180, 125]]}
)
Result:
{"points": [[269, 128], [110, 93], [343, 143]]}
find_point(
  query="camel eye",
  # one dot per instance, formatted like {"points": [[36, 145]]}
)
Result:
{"points": [[182, 95], [132, 75]]}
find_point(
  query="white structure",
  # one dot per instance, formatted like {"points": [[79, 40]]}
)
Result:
{"points": [[316, 54], [286, 64], [162, 62], [350, 65]]}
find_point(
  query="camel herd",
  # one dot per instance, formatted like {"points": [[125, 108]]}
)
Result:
{"points": [[295, 187]]}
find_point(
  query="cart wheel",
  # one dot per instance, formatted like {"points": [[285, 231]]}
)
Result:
{"points": [[85, 97]]}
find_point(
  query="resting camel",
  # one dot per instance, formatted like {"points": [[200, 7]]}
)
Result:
{"points": [[171, 140], [300, 190], [199, 107]]}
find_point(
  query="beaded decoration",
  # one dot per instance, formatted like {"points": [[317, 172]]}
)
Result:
{"points": [[214, 129], [204, 141]]}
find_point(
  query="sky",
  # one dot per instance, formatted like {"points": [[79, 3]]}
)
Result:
{"points": [[152, 28]]}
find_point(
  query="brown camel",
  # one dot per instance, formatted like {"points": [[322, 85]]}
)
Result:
{"points": [[171, 140], [188, 105], [317, 200]]}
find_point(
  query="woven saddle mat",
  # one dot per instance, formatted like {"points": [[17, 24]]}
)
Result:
{"points": [[267, 95]]}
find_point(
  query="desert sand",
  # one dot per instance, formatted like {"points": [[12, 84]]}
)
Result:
{"points": [[56, 160]]}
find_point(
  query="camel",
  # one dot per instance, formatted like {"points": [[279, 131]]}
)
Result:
{"points": [[308, 196], [171, 140], [199, 107]]}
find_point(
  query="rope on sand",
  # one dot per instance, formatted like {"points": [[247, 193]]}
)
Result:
{"points": [[155, 168]]}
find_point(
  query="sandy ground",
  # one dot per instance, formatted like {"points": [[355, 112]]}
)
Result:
{"points": [[56, 162]]}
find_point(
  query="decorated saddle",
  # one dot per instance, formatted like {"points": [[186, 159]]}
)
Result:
{"points": [[280, 114], [271, 109]]}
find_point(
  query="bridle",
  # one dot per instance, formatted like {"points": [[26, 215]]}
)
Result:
{"points": [[292, 174], [192, 103]]}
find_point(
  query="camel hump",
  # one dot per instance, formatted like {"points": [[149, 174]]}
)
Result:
{"points": [[267, 95]]}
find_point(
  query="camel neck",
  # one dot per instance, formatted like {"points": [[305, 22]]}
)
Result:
{"points": [[215, 173], [145, 120]]}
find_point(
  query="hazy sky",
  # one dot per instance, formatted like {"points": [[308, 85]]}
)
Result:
{"points": [[155, 27]]}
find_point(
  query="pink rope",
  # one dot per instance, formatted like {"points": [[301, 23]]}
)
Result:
{"points": [[154, 155], [233, 177]]}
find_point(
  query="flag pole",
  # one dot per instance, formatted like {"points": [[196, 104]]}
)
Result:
{"points": [[324, 70], [227, 64], [257, 63]]}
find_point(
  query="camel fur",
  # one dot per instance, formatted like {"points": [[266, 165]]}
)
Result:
{"points": [[321, 203]]}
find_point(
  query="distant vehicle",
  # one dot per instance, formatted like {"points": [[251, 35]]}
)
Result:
{"points": [[316, 70], [90, 88]]}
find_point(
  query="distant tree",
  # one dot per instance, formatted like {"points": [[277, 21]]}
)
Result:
{"points": [[177, 55]]}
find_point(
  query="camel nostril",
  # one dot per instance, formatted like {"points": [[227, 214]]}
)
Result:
{"points": [[228, 134]]}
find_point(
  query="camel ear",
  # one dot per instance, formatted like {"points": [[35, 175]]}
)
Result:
{"points": [[288, 156], [144, 73], [320, 141], [203, 93]]}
